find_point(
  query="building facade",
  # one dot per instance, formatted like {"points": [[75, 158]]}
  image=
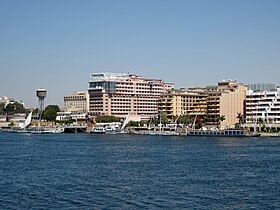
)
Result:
{"points": [[263, 107], [210, 103], [183, 102], [121, 94], [262, 87], [231, 101], [78, 102]]}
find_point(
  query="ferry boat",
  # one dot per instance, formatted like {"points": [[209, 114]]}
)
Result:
{"points": [[104, 130], [222, 133]]}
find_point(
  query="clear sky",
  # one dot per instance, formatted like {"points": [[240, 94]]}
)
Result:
{"points": [[56, 44]]}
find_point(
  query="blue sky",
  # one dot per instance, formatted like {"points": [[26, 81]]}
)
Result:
{"points": [[56, 44]]}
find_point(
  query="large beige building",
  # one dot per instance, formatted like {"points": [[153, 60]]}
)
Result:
{"points": [[183, 102], [77, 102], [231, 101], [225, 99], [121, 94]]}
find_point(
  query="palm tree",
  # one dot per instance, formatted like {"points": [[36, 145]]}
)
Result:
{"points": [[261, 124], [241, 119], [186, 119], [220, 119]]}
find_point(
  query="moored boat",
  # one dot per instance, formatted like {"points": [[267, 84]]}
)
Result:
{"points": [[104, 130], [222, 133], [277, 135]]}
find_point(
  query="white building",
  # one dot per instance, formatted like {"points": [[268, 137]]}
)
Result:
{"points": [[68, 115], [263, 105]]}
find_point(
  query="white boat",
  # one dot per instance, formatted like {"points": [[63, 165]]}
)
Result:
{"points": [[104, 130], [40, 132], [25, 124], [98, 130], [162, 133], [55, 130]]}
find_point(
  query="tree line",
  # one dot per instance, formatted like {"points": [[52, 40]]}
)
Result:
{"points": [[49, 113], [12, 108]]}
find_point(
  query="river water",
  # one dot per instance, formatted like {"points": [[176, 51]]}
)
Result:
{"points": [[87, 171]]}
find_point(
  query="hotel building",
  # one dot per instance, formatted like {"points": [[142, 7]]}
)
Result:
{"points": [[264, 105], [226, 99], [121, 94], [183, 102], [77, 102]]}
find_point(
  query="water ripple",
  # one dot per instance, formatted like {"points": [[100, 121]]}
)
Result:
{"points": [[138, 172]]}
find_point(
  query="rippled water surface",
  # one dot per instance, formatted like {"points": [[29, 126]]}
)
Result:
{"points": [[84, 171]]}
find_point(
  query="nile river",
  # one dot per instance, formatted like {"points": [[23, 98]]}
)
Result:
{"points": [[87, 171]]}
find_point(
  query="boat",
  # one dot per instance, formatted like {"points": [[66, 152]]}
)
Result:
{"points": [[277, 135], [161, 131], [25, 124], [54, 130], [104, 130], [222, 133], [40, 132]]}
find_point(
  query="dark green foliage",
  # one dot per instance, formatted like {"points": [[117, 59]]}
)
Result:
{"points": [[2, 108], [11, 124], [162, 117], [12, 108], [135, 123], [50, 112], [106, 119], [185, 119], [66, 122], [220, 119], [241, 119]]}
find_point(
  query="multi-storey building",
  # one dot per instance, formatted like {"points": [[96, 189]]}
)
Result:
{"points": [[264, 105], [226, 99], [77, 102], [262, 87], [120, 94], [183, 102]]}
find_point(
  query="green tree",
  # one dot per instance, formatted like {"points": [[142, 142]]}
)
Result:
{"points": [[261, 124], [135, 123], [50, 112], [106, 119], [2, 108], [162, 117], [12, 124], [10, 109], [186, 119], [241, 119], [220, 119], [13, 108]]}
